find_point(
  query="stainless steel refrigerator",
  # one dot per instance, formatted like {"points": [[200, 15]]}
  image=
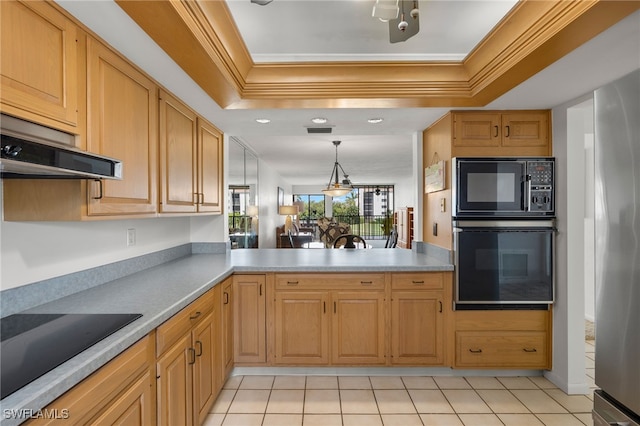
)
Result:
{"points": [[617, 373]]}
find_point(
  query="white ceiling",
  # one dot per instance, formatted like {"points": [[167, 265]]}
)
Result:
{"points": [[370, 154]]}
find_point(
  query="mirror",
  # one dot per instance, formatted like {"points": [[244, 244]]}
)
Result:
{"points": [[243, 196]]}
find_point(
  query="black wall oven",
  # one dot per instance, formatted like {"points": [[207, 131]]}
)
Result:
{"points": [[504, 264]]}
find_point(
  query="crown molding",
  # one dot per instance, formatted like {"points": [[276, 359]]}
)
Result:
{"points": [[202, 38]]}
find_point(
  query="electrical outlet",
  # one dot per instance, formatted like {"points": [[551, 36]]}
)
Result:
{"points": [[131, 237], [443, 205]]}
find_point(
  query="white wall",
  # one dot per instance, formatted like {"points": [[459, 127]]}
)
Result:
{"points": [[268, 183], [34, 251], [568, 313]]}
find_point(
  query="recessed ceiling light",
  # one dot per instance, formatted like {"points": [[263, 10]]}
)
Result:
{"points": [[263, 120], [375, 120], [319, 120]]}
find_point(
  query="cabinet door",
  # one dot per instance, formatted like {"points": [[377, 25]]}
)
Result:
{"points": [[218, 344], [175, 384], [302, 327], [178, 143], [204, 372], [39, 63], [209, 168], [122, 123], [526, 129], [417, 328], [476, 129], [249, 318], [357, 332], [134, 407], [227, 326]]}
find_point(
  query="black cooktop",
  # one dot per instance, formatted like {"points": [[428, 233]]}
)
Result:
{"points": [[33, 344]]}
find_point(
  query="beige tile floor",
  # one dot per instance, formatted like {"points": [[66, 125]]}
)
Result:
{"points": [[401, 401]]}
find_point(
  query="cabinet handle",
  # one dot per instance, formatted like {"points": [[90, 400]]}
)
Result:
{"points": [[196, 198], [324, 307], [335, 308], [366, 282], [202, 198], [196, 315], [440, 302], [260, 292], [292, 282], [475, 351], [226, 298], [199, 346], [508, 132], [99, 197], [192, 353], [532, 350], [497, 130], [417, 282]]}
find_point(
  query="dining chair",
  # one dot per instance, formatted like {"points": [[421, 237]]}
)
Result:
{"points": [[349, 241], [392, 239]]}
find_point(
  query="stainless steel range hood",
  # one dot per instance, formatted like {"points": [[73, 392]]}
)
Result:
{"points": [[32, 151]]}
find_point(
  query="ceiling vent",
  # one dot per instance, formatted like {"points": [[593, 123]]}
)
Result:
{"points": [[315, 129]]}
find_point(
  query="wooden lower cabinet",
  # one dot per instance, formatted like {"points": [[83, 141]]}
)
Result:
{"points": [[503, 339], [301, 328], [226, 307], [358, 328], [121, 392], [317, 325], [417, 328], [189, 365], [249, 323]]}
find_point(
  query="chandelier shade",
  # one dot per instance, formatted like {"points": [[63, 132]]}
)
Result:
{"points": [[337, 187]]}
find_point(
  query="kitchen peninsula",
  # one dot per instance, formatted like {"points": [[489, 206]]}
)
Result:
{"points": [[161, 293]]}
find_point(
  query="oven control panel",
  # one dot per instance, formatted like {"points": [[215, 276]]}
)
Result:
{"points": [[540, 175]]}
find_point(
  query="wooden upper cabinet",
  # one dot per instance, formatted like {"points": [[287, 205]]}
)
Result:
{"points": [[209, 168], [190, 160], [122, 121], [178, 145], [39, 68], [476, 129], [526, 129], [501, 133]]}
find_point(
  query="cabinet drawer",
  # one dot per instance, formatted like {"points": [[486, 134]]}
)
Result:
{"points": [[170, 331], [417, 281], [506, 349], [330, 281]]}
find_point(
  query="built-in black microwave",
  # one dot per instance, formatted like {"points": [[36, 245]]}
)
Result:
{"points": [[503, 187]]}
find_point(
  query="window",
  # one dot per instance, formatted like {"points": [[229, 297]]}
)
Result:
{"points": [[312, 208]]}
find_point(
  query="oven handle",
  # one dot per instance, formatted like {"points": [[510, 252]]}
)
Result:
{"points": [[527, 194], [493, 225]]}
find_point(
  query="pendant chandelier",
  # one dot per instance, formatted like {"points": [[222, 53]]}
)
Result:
{"points": [[335, 187]]}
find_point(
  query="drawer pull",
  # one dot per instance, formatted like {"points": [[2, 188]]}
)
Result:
{"points": [[196, 315], [532, 350], [366, 282], [475, 351], [292, 282], [421, 282]]}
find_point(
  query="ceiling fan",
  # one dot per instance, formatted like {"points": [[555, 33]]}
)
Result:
{"points": [[402, 15]]}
